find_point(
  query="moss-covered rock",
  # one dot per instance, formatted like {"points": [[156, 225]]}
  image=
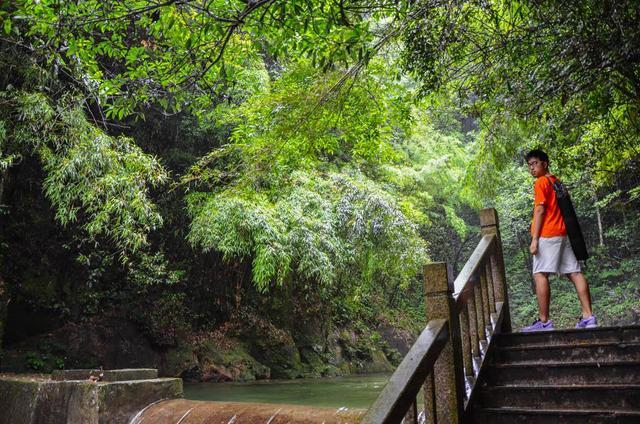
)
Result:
{"points": [[362, 351], [397, 337], [212, 358], [180, 362], [270, 345], [228, 360], [377, 363], [281, 357]]}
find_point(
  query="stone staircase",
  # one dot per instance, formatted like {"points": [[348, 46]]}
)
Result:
{"points": [[562, 376], [468, 349]]}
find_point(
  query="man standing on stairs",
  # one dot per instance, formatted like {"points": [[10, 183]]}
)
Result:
{"points": [[550, 247]]}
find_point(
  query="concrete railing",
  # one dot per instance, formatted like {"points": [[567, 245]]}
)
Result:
{"points": [[82, 396], [447, 357]]}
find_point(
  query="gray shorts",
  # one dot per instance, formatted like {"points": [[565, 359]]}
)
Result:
{"points": [[555, 256]]}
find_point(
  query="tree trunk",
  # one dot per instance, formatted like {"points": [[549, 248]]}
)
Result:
{"points": [[600, 232], [599, 219], [3, 178], [528, 260], [4, 301], [4, 294]]}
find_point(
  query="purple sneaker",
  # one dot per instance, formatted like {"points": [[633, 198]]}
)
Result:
{"points": [[538, 326], [590, 322]]}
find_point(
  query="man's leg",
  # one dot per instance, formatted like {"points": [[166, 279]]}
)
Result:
{"points": [[582, 288], [543, 293]]}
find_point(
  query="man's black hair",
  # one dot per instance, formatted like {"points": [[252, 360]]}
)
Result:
{"points": [[538, 154]]}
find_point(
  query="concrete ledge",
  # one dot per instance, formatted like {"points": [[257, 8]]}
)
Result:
{"points": [[105, 375], [36, 399], [119, 401]]}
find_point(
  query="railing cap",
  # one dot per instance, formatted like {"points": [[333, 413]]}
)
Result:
{"points": [[436, 278], [488, 217]]}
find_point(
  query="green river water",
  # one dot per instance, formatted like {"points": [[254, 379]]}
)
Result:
{"points": [[352, 392]]}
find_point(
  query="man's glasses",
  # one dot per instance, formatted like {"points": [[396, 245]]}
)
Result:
{"points": [[533, 163]]}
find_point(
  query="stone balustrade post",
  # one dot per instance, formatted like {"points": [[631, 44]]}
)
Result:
{"points": [[448, 374], [489, 225]]}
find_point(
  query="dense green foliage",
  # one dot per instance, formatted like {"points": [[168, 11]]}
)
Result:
{"points": [[89, 173], [563, 77], [190, 165]]}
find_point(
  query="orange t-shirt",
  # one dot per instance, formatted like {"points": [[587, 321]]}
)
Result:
{"points": [[552, 221]]}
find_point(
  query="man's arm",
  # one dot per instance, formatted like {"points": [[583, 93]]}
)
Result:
{"points": [[536, 227]]}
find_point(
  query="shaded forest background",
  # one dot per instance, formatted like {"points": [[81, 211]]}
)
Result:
{"points": [[240, 190]]}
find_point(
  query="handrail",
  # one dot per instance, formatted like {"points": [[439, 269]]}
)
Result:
{"points": [[449, 354], [463, 284], [405, 383]]}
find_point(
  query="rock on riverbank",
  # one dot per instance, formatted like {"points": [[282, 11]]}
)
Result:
{"points": [[242, 349]]}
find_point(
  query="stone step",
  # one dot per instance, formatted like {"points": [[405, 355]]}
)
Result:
{"points": [[619, 397], [594, 351], [564, 373], [546, 416], [558, 337]]}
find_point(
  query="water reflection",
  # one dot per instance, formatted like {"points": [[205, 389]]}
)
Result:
{"points": [[351, 392]]}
